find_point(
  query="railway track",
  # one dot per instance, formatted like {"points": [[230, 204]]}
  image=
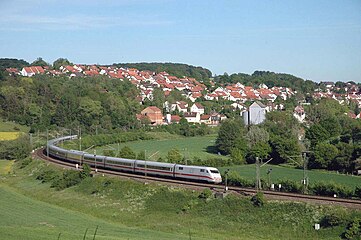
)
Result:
{"points": [[274, 195]]}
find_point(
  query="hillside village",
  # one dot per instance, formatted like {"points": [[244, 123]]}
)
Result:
{"points": [[262, 97]]}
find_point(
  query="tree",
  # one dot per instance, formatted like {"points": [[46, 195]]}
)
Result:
{"points": [[260, 150], [127, 152], [184, 127], [89, 111], [231, 135], [257, 139], [174, 156], [39, 62], [61, 62], [332, 126], [324, 153], [283, 147], [316, 133], [237, 156], [158, 98], [141, 155]]}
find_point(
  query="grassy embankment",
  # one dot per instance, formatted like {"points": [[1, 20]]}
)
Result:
{"points": [[125, 209], [11, 131]]}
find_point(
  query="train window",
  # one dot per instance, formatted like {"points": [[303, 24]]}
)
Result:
{"points": [[214, 171], [154, 167], [119, 163], [202, 170], [180, 168]]}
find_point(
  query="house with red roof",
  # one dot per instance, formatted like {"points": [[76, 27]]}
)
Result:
{"points": [[154, 114], [194, 96], [299, 113], [197, 108], [31, 71], [192, 117], [12, 71]]}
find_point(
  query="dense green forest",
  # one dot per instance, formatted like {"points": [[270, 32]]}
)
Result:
{"points": [[43, 101], [176, 69], [271, 79]]}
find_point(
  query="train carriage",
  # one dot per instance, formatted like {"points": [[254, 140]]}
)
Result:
{"points": [[120, 164], [93, 160], [199, 173], [75, 156], [154, 168], [57, 152]]}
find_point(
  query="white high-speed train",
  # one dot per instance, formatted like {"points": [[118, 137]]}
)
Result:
{"points": [[196, 173]]}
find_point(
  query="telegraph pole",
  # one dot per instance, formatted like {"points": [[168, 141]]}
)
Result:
{"points": [[305, 177], [145, 162], [31, 141], [258, 177], [79, 138], [226, 181], [47, 145]]}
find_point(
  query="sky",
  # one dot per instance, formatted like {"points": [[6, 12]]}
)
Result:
{"points": [[313, 39]]}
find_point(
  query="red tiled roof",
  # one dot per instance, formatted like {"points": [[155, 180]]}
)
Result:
{"points": [[199, 106], [205, 117], [175, 118]]}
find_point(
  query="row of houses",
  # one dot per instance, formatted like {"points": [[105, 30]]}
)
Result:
{"points": [[147, 81], [154, 116]]}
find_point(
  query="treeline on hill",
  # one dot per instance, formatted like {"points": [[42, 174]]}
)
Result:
{"points": [[176, 69], [271, 79], [332, 140], [12, 63], [94, 103]]}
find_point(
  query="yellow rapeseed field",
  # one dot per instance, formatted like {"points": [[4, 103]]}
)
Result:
{"points": [[5, 136]]}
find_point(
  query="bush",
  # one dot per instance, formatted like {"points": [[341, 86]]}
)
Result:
{"points": [[15, 149], [47, 175], [85, 172], [331, 188], [205, 194], [290, 186], [25, 162], [358, 192], [353, 230], [234, 179], [68, 179], [258, 199], [332, 220]]}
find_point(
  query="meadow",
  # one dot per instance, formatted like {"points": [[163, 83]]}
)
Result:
{"points": [[22, 217], [7, 136], [279, 172], [12, 127], [11, 131], [126, 209], [190, 147]]}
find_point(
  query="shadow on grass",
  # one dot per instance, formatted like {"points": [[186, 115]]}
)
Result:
{"points": [[212, 149]]}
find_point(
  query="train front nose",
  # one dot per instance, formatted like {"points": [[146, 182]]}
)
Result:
{"points": [[217, 179]]}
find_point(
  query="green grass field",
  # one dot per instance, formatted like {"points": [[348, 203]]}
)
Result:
{"points": [[278, 172], [12, 127], [5, 166], [189, 147], [22, 217], [125, 209]]}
